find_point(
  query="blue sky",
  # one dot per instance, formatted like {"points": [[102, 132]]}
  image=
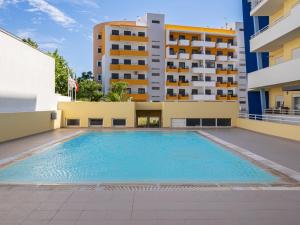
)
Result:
{"points": [[67, 24]]}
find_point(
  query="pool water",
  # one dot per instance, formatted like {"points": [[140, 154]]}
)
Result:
{"points": [[135, 157]]}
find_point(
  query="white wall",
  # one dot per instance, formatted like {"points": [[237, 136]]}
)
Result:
{"points": [[27, 77]]}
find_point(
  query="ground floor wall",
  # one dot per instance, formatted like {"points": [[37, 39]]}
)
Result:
{"points": [[276, 129], [287, 97], [107, 112], [17, 125]]}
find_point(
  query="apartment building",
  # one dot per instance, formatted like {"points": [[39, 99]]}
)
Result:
{"points": [[170, 62], [281, 39]]}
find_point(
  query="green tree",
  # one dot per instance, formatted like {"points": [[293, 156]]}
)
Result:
{"points": [[118, 92], [62, 72], [31, 42], [85, 76], [89, 90]]}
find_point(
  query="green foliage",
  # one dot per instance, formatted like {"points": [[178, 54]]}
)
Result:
{"points": [[118, 92], [85, 76], [62, 72], [89, 90], [31, 42]]}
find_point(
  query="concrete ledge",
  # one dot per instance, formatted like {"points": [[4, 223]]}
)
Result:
{"points": [[288, 131]]}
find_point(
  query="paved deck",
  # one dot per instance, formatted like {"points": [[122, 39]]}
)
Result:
{"points": [[95, 206], [279, 150]]}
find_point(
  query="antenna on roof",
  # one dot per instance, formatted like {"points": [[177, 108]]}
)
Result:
{"points": [[226, 23]]}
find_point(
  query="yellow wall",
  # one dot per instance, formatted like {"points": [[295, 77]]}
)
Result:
{"points": [[105, 110], [180, 110], [127, 110], [287, 96], [277, 129], [17, 125]]}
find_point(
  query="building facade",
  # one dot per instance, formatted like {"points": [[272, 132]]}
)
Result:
{"points": [[170, 62], [281, 39]]}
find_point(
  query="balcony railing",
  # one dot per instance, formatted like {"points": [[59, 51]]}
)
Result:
{"points": [[283, 111], [295, 120]]}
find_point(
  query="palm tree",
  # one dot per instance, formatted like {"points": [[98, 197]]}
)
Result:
{"points": [[118, 92]]}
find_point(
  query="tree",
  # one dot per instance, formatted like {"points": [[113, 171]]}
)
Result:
{"points": [[89, 90], [31, 42], [118, 92], [62, 72], [85, 76]]}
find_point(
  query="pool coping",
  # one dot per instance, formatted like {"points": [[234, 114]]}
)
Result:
{"points": [[291, 177]]}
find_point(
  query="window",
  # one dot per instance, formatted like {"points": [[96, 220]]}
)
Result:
{"points": [[127, 76], [142, 48], [219, 66], [208, 122], [119, 122], [193, 122], [141, 91], [224, 122], [181, 65], [115, 47], [207, 52], [95, 122], [182, 50], [219, 53], [73, 122], [127, 47], [115, 61], [99, 77], [195, 78], [141, 62], [220, 92], [127, 61], [99, 50], [208, 39], [181, 37], [141, 76], [156, 46], [155, 88], [127, 33], [170, 78], [141, 34], [182, 92], [170, 92], [129, 90], [194, 92], [219, 40], [155, 74], [156, 21], [194, 65], [99, 36], [115, 76], [99, 64], [207, 91], [155, 60], [115, 32], [194, 38]]}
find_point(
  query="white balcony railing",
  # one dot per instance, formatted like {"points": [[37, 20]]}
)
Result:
{"points": [[197, 43], [210, 44], [222, 45], [184, 42], [222, 58], [203, 97], [204, 83], [203, 57], [272, 118], [172, 56], [204, 70], [172, 42], [184, 56]]}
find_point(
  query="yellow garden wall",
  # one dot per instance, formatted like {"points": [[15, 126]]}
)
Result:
{"points": [[17, 125], [276, 129]]}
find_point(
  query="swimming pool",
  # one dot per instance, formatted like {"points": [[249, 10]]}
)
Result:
{"points": [[135, 157]]}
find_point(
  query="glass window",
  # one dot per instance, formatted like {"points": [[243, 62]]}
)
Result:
{"points": [[141, 76], [127, 33], [127, 61], [156, 21], [193, 122], [95, 122], [141, 62], [119, 122], [114, 61], [141, 34], [142, 48], [208, 122], [127, 76], [224, 122], [127, 47], [115, 76], [194, 91], [73, 122], [141, 91], [115, 47], [115, 32]]}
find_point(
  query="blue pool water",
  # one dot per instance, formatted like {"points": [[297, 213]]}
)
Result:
{"points": [[167, 157]]}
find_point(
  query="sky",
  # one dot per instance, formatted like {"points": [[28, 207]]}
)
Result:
{"points": [[67, 25]]}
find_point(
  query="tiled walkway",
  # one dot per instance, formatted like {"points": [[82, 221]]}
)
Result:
{"points": [[95, 206]]}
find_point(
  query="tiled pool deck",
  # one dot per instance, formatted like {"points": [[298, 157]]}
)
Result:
{"points": [[96, 205]]}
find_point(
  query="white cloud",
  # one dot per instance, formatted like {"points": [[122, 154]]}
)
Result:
{"points": [[54, 13], [26, 33], [1, 3]]}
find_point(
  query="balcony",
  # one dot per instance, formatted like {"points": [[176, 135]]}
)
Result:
{"points": [[184, 83], [172, 97], [222, 45], [222, 58], [265, 7], [128, 67], [203, 97], [183, 70], [210, 44], [222, 72], [221, 85], [130, 81], [204, 70], [232, 59], [232, 72], [278, 74], [183, 42], [222, 97], [128, 53], [172, 42], [232, 97], [126, 38], [184, 56], [204, 83], [172, 56], [171, 83], [284, 30], [172, 69], [203, 57], [183, 97], [232, 84], [197, 43], [139, 97]]}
